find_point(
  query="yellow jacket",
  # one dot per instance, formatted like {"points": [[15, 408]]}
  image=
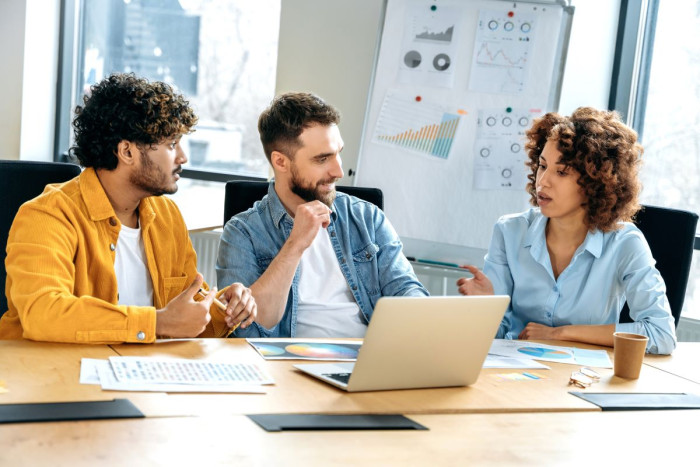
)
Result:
{"points": [[61, 284]]}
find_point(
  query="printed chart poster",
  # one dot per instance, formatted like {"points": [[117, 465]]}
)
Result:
{"points": [[499, 148], [417, 126], [285, 349], [502, 52], [429, 45]]}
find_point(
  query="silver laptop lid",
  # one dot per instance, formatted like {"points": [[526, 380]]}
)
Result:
{"points": [[420, 342]]}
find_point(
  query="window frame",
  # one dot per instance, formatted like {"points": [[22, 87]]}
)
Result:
{"points": [[68, 62]]}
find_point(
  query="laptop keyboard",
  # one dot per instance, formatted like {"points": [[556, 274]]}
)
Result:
{"points": [[341, 377]]}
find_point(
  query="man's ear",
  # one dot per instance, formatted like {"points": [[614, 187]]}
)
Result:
{"points": [[127, 152], [280, 162]]}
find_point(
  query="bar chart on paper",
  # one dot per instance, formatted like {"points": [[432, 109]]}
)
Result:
{"points": [[416, 126]]}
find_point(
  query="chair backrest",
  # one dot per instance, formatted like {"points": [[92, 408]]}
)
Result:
{"points": [[20, 182], [670, 234], [242, 194]]}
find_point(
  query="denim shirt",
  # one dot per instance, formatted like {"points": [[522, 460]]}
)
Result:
{"points": [[367, 247], [607, 270]]}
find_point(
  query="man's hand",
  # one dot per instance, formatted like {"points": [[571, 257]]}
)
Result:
{"points": [[240, 306], [477, 285], [183, 316], [308, 219]]}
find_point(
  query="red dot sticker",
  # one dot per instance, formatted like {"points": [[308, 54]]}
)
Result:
{"points": [[419, 98], [510, 14]]}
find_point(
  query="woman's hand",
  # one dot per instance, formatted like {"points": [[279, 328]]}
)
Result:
{"points": [[477, 285]]}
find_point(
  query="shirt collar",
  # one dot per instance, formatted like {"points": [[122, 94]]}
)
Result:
{"points": [[98, 205], [535, 239]]}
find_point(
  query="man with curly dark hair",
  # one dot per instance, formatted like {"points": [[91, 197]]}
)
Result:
{"points": [[104, 258], [570, 264]]}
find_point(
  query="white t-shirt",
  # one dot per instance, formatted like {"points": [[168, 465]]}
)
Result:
{"points": [[326, 307], [133, 279]]}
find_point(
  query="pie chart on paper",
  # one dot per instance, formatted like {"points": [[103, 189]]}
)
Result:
{"points": [[540, 352], [321, 351]]}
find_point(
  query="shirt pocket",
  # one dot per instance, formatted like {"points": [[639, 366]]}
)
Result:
{"points": [[173, 287], [365, 261]]}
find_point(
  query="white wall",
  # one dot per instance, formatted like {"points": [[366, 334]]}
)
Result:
{"points": [[591, 52], [29, 51], [12, 20], [328, 47]]}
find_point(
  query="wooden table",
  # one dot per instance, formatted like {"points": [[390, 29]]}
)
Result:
{"points": [[296, 392], [495, 421], [586, 439], [684, 362]]}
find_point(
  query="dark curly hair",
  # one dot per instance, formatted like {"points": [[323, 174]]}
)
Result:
{"points": [[124, 107], [605, 153], [288, 116]]}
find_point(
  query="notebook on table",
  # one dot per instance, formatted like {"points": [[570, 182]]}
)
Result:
{"points": [[419, 342]]}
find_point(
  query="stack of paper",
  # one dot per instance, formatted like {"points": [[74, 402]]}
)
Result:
{"points": [[173, 375]]}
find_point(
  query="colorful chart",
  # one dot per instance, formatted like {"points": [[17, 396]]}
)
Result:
{"points": [[417, 125], [328, 351], [269, 350], [539, 352]]}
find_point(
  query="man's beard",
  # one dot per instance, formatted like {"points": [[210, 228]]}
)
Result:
{"points": [[308, 193], [151, 178]]}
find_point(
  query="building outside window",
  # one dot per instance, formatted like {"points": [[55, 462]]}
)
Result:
{"points": [[221, 54]]}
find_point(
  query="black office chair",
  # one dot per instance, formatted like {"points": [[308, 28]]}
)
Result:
{"points": [[242, 194], [20, 182], [670, 234]]}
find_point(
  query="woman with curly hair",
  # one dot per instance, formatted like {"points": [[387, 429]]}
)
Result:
{"points": [[570, 263]]}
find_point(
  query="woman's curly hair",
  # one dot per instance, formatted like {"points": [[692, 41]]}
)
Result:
{"points": [[605, 153], [124, 107]]}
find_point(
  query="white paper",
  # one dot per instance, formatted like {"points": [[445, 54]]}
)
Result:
{"points": [[550, 353], [501, 58], [498, 361], [88, 370], [186, 371], [109, 382]]}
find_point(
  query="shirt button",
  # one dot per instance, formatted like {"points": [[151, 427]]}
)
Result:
{"points": [[548, 315], [354, 287], [141, 335], [368, 256], [333, 234], [112, 246], [342, 260], [112, 221]]}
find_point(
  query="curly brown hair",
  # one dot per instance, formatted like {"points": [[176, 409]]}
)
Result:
{"points": [[288, 116], [605, 153], [124, 107]]}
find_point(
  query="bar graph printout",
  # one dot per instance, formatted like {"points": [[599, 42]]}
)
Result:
{"points": [[416, 126], [501, 57]]}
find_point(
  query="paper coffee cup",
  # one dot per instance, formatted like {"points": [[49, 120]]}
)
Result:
{"points": [[628, 354]]}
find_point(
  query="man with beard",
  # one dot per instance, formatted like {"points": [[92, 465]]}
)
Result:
{"points": [[316, 261], [104, 258]]}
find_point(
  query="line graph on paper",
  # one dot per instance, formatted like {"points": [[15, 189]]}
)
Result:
{"points": [[501, 52], [419, 127]]}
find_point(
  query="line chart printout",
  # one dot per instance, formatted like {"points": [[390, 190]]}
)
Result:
{"points": [[419, 127], [499, 148], [502, 51], [429, 46]]}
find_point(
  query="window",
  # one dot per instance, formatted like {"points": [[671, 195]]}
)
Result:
{"points": [[221, 54], [665, 110]]}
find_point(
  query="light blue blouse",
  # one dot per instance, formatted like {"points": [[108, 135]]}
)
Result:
{"points": [[605, 271]]}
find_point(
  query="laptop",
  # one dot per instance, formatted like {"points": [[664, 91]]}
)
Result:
{"points": [[419, 342]]}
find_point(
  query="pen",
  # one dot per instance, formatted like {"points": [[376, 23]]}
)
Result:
{"points": [[219, 305], [439, 263]]}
